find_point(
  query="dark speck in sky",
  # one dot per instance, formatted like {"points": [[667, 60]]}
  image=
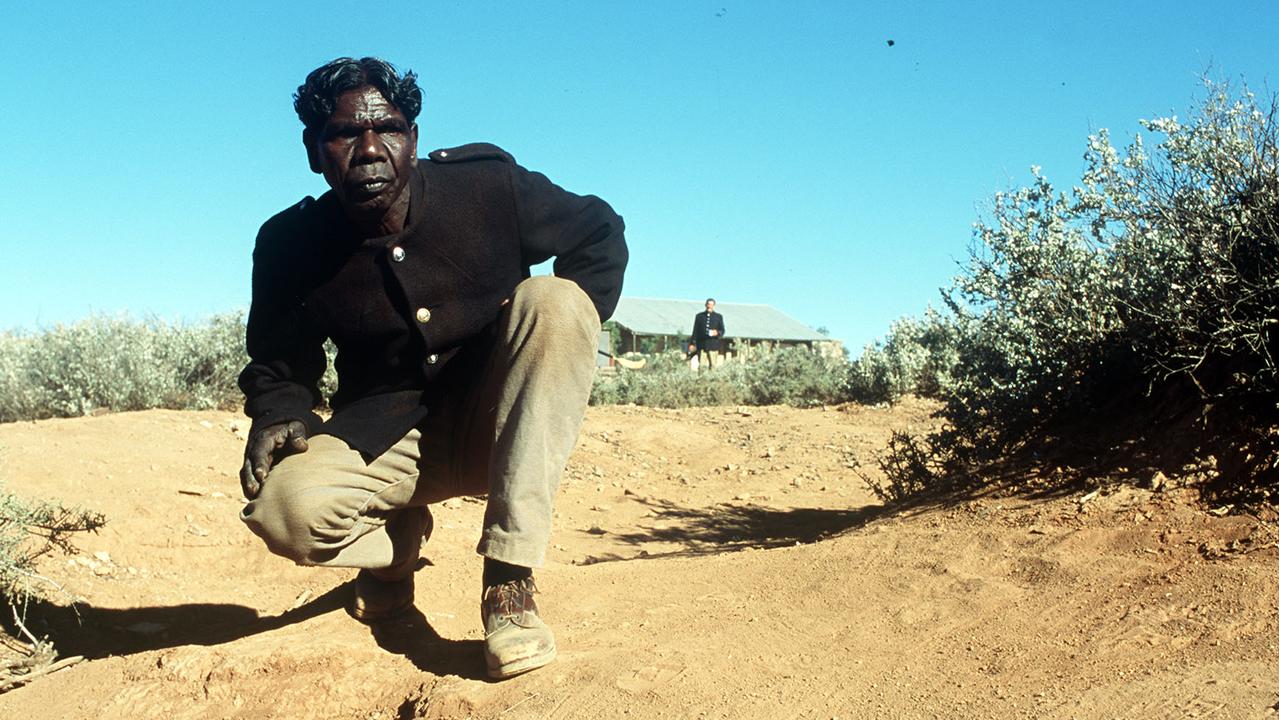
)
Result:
{"points": [[722, 12], [891, 43]]}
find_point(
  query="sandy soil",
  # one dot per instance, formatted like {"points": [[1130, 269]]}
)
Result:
{"points": [[711, 563]]}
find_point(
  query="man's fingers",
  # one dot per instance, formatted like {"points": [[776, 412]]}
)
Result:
{"points": [[260, 448], [259, 455], [250, 484]]}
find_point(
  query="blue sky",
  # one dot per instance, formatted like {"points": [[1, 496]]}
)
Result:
{"points": [[759, 153]]}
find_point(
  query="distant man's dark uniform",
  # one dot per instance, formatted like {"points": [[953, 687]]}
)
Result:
{"points": [[708, 336], [458, 374]]}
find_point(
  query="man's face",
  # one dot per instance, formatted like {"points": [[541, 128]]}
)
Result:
{"points": [[366, 152], [710, 306]]}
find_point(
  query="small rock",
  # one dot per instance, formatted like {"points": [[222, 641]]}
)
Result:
{"points": [[191, 491], [601, 508], [453, 503], [206, 424], [197, 531], [1158, 481], [797, 482], [743, 496], [596, 530], [102, 570]]}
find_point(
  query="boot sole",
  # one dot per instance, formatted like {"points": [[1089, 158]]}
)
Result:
{"points": [[517, 667]]}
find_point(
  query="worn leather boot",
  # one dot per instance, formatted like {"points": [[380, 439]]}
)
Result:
{"points": [[515, 638], [386, 592]]}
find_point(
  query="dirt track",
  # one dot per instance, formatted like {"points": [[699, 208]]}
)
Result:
{"points": [[706, 563]]}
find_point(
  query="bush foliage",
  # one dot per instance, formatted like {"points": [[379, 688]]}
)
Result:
{"points": [[916, 358], [1137, 312], [28, 531], [118, 364]]}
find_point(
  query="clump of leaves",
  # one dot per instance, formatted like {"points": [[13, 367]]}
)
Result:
{"points": [[29, 530], [118, 364], [1149, 291]]}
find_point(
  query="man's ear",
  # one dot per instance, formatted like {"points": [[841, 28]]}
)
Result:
{"points": [[413, 141], [312, 156]]}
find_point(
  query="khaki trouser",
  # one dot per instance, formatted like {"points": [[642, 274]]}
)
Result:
{"points": [[509, 436], [708, 359]]}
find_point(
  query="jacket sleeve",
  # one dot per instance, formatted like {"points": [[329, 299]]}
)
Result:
{"points": [[581, 232], [286, 360]]}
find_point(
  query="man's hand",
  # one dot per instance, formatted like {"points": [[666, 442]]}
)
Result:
{"points": [[284, 439]]}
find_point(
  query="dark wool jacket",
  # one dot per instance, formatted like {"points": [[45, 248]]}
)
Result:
{"points": [[702, 325], [413, 313]]}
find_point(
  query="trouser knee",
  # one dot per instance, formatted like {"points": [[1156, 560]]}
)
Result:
{"points": [[298, 527], [556, 311]]}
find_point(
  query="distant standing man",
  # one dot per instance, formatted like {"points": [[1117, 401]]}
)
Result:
{"points": [[708, 334], [458, 374]]}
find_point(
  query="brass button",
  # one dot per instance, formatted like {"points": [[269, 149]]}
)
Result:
{"points": [[432, 359], [397, 254], [423, 315]]}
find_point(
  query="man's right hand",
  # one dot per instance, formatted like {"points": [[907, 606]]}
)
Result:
{"points": [[264, 445]]}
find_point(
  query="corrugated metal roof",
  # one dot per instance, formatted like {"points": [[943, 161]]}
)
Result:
{"points": [[659, 316]]}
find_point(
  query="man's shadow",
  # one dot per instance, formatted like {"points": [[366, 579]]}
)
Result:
{"points": [[95, 632], [410, 634]]}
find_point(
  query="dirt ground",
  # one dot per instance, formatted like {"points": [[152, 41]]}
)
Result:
{"points": [[710, 563]]}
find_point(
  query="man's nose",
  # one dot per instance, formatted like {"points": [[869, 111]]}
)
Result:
{"points": [[369, 147]]}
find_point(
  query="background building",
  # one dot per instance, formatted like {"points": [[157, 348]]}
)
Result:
{"points": [[654, 325]]}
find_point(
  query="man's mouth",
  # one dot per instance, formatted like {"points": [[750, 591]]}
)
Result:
{"points": [[369, 187]]}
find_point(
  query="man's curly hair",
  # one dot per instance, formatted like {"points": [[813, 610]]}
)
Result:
{"points": [[315, 98]]}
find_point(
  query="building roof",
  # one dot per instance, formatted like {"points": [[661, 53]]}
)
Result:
{"points": [[659, 316]]}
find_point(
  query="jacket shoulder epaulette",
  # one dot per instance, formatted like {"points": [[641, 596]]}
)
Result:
{"points": [[291, 215], [469, 152]]}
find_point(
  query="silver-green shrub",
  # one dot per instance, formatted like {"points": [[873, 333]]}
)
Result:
{"points": [[114, 363], [1145, 298], [29, 530], [795, 376], [917, 357]]}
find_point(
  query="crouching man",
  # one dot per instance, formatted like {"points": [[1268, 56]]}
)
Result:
{"points": [[458, 374]]}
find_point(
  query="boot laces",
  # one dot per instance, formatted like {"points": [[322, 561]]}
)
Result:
{"points": [[512, 598]]}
